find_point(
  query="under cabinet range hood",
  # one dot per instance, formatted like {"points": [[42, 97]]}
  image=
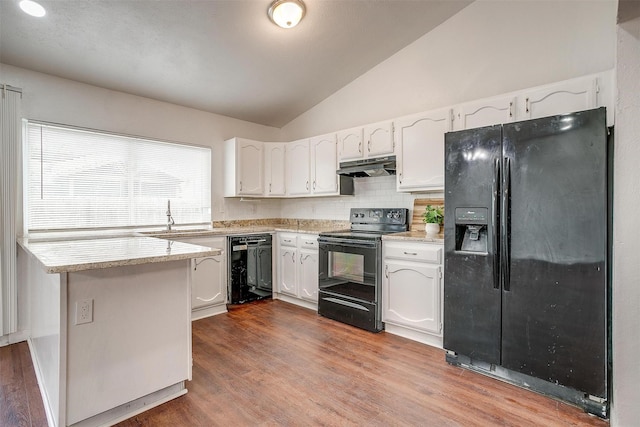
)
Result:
{"points": [[380, 166]]}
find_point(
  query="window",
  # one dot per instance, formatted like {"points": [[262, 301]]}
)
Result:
{"points": [[79, 179]]}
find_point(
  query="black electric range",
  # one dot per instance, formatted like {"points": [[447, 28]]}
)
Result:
{"points": [[350, 266]]}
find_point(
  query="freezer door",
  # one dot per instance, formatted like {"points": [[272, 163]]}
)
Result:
{"points": [[471, 269], [555, 247]]}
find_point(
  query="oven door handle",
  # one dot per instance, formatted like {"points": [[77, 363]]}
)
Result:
{"points": [[346, 303], [347, 243]]}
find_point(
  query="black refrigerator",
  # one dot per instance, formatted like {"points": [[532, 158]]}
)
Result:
{"points": [[526, 283]]}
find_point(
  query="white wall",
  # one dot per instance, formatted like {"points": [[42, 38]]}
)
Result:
{"points": [[52, 99], [626, 247], [490, 47]]}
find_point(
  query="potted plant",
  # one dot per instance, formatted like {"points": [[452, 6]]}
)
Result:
{"points": [[433, 217]]}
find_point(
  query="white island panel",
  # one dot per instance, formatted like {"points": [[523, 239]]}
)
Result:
{"points": [[139, 341]]}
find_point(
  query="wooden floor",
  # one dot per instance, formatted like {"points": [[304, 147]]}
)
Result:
{"points": [[272, 364]]}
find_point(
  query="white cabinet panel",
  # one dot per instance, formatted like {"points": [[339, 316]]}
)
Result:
{"points": [[298, 168], [244, 168], [412, 290], [275, 176], [324, 165], [287, 266], [486, 112], [350, 145], [420, 163], [308, 275], [379, 139], [298, 267], [411, 295], [559, 98], [207, 286], [208, 274]]}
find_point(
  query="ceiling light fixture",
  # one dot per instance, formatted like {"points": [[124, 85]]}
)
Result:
{"points": [[286, 13], [32, 8]]}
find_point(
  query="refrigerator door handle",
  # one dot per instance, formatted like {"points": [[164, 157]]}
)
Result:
{"points": [[506, 252], [494, 225]]}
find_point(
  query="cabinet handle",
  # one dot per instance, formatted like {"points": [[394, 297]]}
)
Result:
{"points": [[240, 185], [526, 105], [269, 187], [314, 184], [360, 147], [511, 109], [400, 177], [369, 146], [286, 240], [410, 253], [307, 185], [386, 271]]}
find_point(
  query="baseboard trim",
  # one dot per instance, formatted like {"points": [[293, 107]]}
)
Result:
{"points": [[421, 337], [296, 301], [135, 407]]}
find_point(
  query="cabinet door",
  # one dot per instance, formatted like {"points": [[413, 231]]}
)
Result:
{"points": [[208, 286], [379, 139], [274, 156], [560, 98], [308, 277], [486, 112], [298, 168], [411, 295], [287, 258], [324, 163], [350, 144], [250, 172], [421, 143]]}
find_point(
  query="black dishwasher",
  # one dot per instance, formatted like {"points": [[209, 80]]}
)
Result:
{"points": [[250, 263]]}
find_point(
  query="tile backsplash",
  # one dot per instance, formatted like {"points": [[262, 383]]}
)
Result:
{"points": [[377, 192]]}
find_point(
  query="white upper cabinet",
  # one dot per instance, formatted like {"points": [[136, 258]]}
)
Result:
{"points": [[350, 146], [324, 179], [420, 142], [486, 112], [298, 165], [559, 98], [374, 140], [274, 167], [378, 138], [244, 173]]}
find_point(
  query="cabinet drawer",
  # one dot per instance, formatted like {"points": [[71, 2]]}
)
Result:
{"points": [[308, 242], [420, 252], [287, 239]]}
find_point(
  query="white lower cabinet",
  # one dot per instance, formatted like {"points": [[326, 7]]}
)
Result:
{"points": [[297, 268], [412, 290], [287, 270], [208, 278]]}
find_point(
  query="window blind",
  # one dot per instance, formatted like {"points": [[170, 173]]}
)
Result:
{"points": [[81, 179]]}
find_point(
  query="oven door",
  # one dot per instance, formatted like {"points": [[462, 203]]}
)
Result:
{"points": [[349, 268]]}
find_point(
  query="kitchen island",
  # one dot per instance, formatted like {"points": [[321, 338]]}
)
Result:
{"points": [[110, 324]]}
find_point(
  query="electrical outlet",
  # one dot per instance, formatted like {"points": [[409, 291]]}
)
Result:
{"points": [[84, 311]]}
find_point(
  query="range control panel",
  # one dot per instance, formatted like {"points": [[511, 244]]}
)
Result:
{"points": [[379, 216]]}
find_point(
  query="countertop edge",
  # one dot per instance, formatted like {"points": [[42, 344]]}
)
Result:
{"points": [[83, 266], [414, 236]]}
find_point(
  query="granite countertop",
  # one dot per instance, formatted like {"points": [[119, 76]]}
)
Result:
{"points": [[61, 256], [416, 236]]}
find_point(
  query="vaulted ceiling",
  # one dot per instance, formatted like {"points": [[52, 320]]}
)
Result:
{"points": [[221, 56]]}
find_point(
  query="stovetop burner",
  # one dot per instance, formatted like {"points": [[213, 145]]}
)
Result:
{"points": [[372, 223]]}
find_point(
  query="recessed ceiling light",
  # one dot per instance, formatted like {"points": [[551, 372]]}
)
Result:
{"points": [[32, 8], [286, 13]]}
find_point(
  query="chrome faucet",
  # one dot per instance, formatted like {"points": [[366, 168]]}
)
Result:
{"points": [[170, 220]]}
